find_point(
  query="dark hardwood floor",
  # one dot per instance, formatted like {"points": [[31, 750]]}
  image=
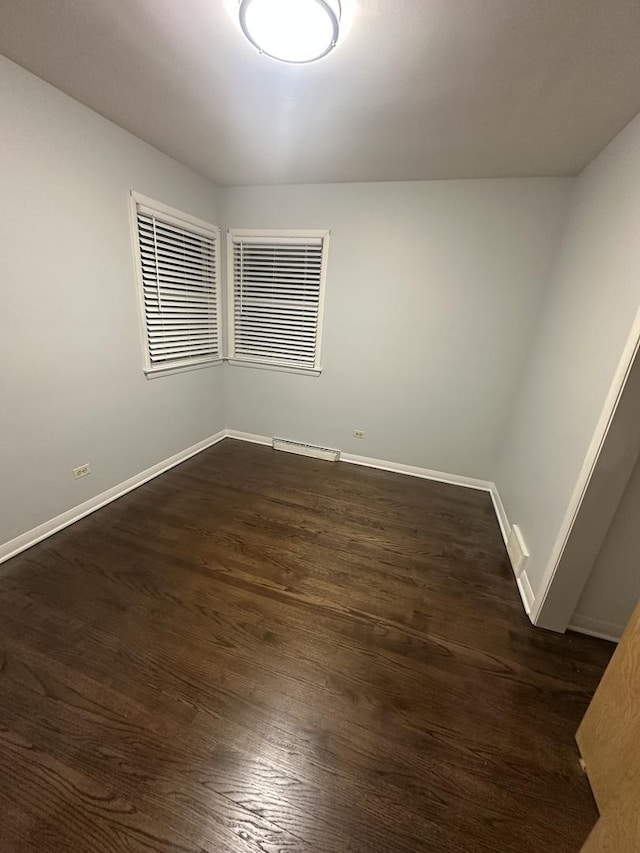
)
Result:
{"points": [[263, 653]]}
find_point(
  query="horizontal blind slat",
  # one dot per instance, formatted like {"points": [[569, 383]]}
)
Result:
{"points": [[253, 299], [164, 227], [180, 271], [170, 239], [284, 342], [273, 351], [187, 300], [204, 260], [251, 323], [276, 242], [274, 357]]}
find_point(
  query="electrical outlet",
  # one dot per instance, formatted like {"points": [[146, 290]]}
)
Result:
{"points": [[81, 471], [359, 433]]}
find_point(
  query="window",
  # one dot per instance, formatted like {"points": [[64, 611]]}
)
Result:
{"points": [[276, 285], [179, 286]]}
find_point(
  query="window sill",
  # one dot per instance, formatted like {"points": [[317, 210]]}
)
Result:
{"points": [[281, 368], [157, 372]]}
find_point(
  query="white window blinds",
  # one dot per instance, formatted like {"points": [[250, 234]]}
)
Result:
{"points": [[179, 287], [276, 294]]}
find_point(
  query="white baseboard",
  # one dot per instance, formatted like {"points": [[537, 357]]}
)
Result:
{"points": [[413, 471], [522, 579], [596, 628], [501, 513], [37, 534], [526, 592], [247, 436]]}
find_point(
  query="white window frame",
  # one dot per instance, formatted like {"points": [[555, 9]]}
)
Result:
{"points": [[276, 234], [192, 223]]}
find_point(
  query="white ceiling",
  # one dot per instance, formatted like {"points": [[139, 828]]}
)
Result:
{"points": [[416, 89]]}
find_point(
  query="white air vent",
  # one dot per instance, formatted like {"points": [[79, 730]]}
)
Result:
{"points": [[306, 449], [517, 550]]}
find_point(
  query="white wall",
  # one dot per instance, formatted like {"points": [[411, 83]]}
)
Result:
{"points": [[593, 299], [613, 588], [432, 297], [72, 388]]}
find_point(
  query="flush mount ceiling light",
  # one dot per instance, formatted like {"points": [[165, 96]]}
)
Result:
{"points": [[291, 30]]}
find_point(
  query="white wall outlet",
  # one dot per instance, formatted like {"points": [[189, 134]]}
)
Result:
{"points": [[81, 471], [359, 433]]}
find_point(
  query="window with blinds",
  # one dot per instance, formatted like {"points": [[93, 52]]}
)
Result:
{"points": [[276, 294], [179, 283]]}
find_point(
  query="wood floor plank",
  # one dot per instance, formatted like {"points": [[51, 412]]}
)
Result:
{"points": [[259, 652]]}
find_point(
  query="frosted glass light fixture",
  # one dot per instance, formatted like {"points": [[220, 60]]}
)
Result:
{"points": [[291, 30]]}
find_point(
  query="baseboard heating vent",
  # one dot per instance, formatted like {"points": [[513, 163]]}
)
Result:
{"points": [[517, 550], [306, 449]]}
